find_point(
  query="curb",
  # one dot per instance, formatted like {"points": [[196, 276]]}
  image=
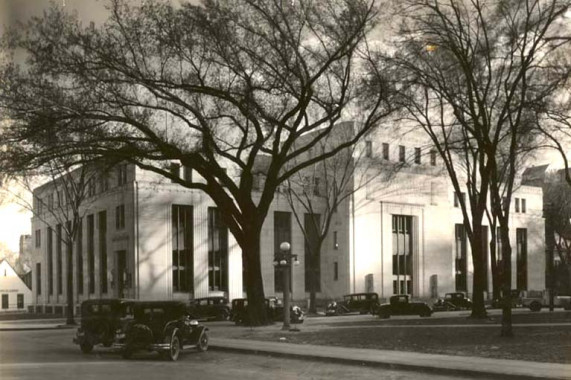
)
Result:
{"points": [[36, 328], [387, 363]]}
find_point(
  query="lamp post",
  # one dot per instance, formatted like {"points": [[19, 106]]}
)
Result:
{"points": [[285, 260]]}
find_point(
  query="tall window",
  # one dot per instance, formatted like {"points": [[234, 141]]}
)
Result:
{"points": [[433, 157], [335, 271], [368, 148], [417, 155], [102, 218], [174, 170], [5, 303], [91, 253], [386, 155], [59, 264], [187, 174], [120, 217], [20, 301], [485, 252], [38, 235], [121, 175], [282, 233], [182, 249], [517, 205], [523, 208], [38, 278], [521, 260], [217, 251], [50, 261], [402, 153], [312, 255], [457, 197], [79, 261], [402, 254], [461, 259]]}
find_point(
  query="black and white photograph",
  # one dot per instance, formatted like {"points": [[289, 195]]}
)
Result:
{"points": [[285, 189]]}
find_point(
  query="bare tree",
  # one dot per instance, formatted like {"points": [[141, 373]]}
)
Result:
{"points": [[62, 208], [315, 194], [218, 87], [474, 76]]}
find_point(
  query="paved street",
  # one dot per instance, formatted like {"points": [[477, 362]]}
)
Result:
{"points": [[50, 354]]}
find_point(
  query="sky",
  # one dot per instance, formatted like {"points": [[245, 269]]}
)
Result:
{"points": [[15, 220]]}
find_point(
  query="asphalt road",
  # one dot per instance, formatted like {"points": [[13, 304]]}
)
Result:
{"points": [[50, 354]]}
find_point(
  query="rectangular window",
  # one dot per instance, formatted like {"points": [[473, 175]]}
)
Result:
{"points": [[38, 278], [38, 235], [91, 187], [402, 252], [121, 175], [417, 156], [386, 155], [282, 233], [187, 173], [120, 217], [50, 261], [103, 183], [335, 241], [182, 248], [461, 259], [457, 202], [217, 251], [91, 253], [523, 208], [20, 301], [59, 263], [368, 149], [102, 218], [433, 157], [51, 201], [312, 255], [5, 303], [521, 260], [485, 253], [316, 184], [79, 261], [517, 205], [335, 271], [402, 153], [174, 170]]}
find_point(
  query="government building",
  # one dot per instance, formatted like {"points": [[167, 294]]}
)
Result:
{"points": [[144, 237]]}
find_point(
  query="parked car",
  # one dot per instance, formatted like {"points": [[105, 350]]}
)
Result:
{"points": [[274, 308], [515, 299], [442, 305], [161, 326], [99, 320], [362, 303], [217, 308], [459, 300], [401, 305]]}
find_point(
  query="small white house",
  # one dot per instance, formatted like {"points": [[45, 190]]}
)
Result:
{"points": [[16, 296]]}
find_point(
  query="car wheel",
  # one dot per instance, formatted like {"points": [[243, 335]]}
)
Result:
{"points": [[86, 348], [203, 342], [535, 306], [223, 315], [174, 348]]}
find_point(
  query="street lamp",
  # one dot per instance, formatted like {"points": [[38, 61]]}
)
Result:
{"points": [[285, 260]]}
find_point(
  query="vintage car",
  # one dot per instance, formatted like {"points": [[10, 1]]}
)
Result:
{"points": [[362, 303], [161, 326], [217, 308], [401, 305], [274, 308], [459, 300], [99, 320], [442, 305]]}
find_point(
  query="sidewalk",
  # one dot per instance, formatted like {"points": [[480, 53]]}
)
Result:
{"points": [[503, 369], [224, 336]]}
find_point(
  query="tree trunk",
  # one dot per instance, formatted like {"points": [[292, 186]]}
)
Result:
{"points": [[314, 266], [69, 284], [507, 330], [478, 306], [254, 283]]}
